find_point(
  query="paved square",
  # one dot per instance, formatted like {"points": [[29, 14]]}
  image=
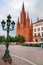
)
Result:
{"points": [[22, 55]]}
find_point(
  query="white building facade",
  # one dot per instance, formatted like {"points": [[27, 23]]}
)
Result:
{"points": [[38, 31]]}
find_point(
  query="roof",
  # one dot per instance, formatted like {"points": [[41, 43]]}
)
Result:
{"points": [[41, 20]]}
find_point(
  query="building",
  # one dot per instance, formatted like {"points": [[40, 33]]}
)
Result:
{"points": [[33, 32], [24, 26], [38, 30]]}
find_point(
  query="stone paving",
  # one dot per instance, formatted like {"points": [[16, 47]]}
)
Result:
{"points": [[33, 54], [15, 61]]}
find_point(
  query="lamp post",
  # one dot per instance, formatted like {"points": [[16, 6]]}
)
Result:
{"points": [[7, 57]]}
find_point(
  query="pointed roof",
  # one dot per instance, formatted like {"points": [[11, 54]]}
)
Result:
{"points": [[31, 23], [37, 18], [23, 7], [18, 19], [18, 22], [27, 15]]}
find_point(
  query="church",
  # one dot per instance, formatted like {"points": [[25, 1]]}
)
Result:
{"points": [[25, 26]]}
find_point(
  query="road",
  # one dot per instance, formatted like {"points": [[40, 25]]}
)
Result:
{"points": [[24, 55]]}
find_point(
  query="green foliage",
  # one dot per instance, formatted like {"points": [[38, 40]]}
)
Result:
{"points": [[18, 38], [12, 39], [32, 45], [2, 39], [9, 39]]}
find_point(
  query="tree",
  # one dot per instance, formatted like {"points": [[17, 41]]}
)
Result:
{"points": [[9, 39], [12, 39], [20, 38], [16, 39], [2, 38]]}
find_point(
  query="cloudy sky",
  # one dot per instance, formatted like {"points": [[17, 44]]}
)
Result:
{"points": [[13, 7]]}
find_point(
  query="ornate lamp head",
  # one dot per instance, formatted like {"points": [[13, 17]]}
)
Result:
{"points": [[13, 23], [3, 24], [9, 17], [8, 20]]}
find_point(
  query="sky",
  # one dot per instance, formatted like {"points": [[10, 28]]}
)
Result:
{"points": [[13, 7]]}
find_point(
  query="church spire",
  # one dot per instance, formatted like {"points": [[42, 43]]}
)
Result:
{"points": [[27, 15], [37, 18], [18, 19], [31, 21], [23, 7], [31, 24]]}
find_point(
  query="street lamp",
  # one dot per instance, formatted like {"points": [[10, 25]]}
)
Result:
{"points": [[3, 24], [7, 57], [13, 23]]}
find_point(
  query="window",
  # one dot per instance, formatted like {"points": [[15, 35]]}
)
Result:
{"points": [[35, 35], [38, 29], [38, 34], [42, 28], [34, 30], [42, 33], [36, 40]]}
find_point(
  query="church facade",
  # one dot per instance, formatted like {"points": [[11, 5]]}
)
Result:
{"points": [[25, 26]]}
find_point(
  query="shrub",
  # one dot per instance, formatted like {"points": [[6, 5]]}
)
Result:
{"points": [[32, 45]]}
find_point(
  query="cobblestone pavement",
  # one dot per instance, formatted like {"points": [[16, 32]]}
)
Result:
{"points": [[15, 61], [33, 54]]}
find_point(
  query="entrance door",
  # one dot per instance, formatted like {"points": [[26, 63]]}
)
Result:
{"points": [[36, 40]]}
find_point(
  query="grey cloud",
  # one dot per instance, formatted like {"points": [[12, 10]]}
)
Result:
{"points": [[38, 8]]}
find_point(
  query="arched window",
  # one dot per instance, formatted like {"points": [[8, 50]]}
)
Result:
{"points": [[36, 40]]}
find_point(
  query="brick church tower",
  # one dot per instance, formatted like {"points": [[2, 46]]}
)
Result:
{"points": [[24, 26]]}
